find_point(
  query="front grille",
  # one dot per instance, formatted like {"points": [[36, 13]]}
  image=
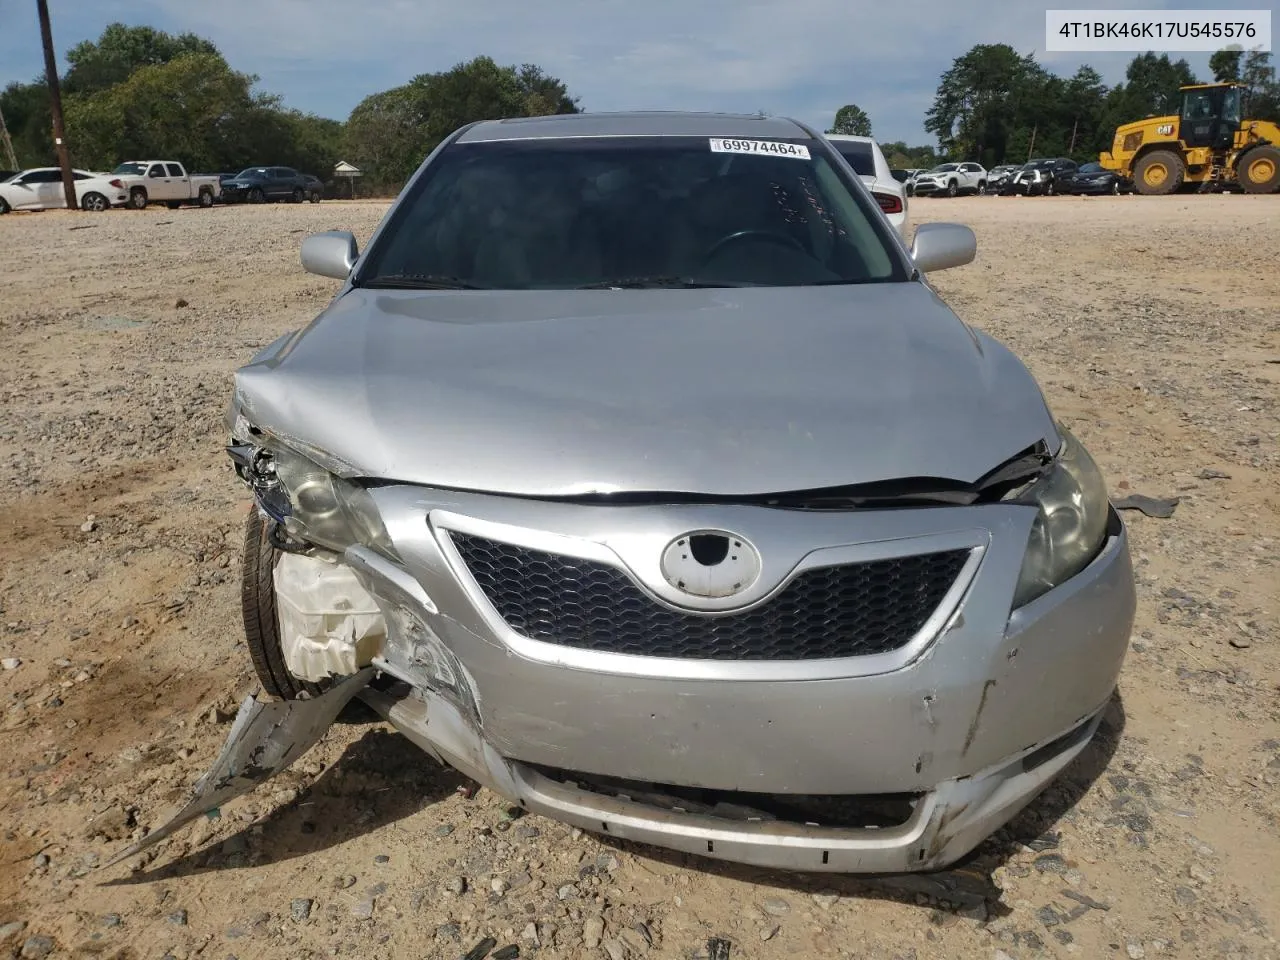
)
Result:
{"points": [[825, 613]]}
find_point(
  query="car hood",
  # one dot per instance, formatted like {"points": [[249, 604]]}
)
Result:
{"points": [[716, 391]]}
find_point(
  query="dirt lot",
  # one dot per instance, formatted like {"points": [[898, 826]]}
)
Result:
{"points": [[1154, 327]]}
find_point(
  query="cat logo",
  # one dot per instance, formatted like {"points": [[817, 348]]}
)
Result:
{"points": [[1165, 129]]}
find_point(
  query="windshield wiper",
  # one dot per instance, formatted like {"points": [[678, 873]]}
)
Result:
{"points": [[640, 283], [412, 281]]}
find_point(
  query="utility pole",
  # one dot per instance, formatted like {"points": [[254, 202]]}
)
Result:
{"points": [[55, 102], [1031, 149], [8, 144], [1072, 149]]}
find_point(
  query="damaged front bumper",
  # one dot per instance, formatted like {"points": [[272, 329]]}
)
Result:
{"points": [[927, 756]]}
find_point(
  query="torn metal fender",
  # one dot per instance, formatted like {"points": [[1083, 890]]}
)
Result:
{"points": [[265, 739]]}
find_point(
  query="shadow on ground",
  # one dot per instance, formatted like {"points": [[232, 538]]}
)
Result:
{"points": [[379, 779]]}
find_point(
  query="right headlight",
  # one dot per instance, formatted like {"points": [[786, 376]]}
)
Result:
{"points": [[1071, 525]]}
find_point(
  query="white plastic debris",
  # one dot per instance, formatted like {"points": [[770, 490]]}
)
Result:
{"points": [[329, 624]]}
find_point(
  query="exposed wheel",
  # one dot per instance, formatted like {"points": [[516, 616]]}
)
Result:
{"points": [[258, 607], [206, 197], [173, 204], [953, 188], [94, 203], [256, 195], [982, 189], [138, 198], [298, 195], [1158, 173], [1259, 170]]}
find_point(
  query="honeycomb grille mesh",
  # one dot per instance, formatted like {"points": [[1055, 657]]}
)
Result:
{"points": [[825, 613]]}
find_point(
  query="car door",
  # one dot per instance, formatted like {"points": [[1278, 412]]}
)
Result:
{"points": [[972, 176], [1064, 171], [179, 182], [288, 181], [46, 190], [158, 184]]}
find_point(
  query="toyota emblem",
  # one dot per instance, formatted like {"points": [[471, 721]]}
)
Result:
{"points": [[710, 563]]}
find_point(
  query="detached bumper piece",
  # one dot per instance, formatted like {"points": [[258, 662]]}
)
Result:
{"points": [[265, 739]]}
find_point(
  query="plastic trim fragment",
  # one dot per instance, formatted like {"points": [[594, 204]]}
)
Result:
{"points": [[265, 738]]}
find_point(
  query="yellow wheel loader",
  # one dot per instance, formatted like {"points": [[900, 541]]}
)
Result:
{"points": [[1208, 144]]}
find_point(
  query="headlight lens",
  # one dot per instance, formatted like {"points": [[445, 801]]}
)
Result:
{"points": [[325, 509], [1071, 525]]}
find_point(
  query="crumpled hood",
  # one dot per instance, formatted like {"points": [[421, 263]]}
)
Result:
{"points": [[717, 391]]}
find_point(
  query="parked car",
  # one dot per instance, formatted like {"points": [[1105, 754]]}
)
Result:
{"points": [[1043, 177], [952, 179], [167, 182], [41, 189], [262, 184], [998, 175], [868, 162], [1092, 177], [910, 183], [627, 523]]}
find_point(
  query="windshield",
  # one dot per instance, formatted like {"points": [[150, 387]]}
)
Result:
{"points": [[1092, 167], [644, 211], [253, 172], [131, 169], [945, 168]]}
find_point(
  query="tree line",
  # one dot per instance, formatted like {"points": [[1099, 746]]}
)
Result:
{"points": [[137, 92], [994, 105]]}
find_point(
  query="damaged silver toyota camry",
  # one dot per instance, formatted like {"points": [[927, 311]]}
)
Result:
{"points": [[637, 472]]}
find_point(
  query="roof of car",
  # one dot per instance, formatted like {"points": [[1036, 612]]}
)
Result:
{"points": [[653, 123], [850, 136]]}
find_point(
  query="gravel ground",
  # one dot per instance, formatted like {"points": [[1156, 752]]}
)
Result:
{"points": [[1152, 324]]}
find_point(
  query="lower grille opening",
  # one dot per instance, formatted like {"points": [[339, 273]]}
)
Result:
{"points": [[834, 811]]}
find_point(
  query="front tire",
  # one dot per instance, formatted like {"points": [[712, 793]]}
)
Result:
{"points": [[206, 198], [298, 195], [258, 608], [1259, 170], [953, 188], [315, 196], [4, 206], [137, 199], [256, 195]]}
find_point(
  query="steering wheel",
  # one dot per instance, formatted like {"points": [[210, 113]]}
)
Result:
{"points": [[770, 235]]}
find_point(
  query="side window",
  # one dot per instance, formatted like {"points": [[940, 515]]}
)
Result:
{"points": [[156, 171], [286, 173], [174, 170], [45, 176], [81, 176]]}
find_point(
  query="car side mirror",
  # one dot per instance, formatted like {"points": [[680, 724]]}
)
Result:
{"points": [[330, 254], [940, 246]]}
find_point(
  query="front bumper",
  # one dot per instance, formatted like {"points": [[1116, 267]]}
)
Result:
{"points": [[948, 721]]}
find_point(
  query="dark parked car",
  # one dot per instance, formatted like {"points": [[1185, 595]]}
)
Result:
{"points": [[999, 175], [1092, 177], [260, 184], [1044, 177]]}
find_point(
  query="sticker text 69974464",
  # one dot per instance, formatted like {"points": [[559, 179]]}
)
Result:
{"points": [[769, 148]]}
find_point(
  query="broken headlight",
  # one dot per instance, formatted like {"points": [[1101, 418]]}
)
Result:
{"points": [[1071, 525], [309, 502]]}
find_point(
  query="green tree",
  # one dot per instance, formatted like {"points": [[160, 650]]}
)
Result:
{"points": [[28, 117], [1262, 94], [96, 65], [983, 97], [389, 134], [1225, 64], [194, 108], [851, 121]]}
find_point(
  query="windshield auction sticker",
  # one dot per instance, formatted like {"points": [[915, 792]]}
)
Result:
{"points": [[769, 148]]}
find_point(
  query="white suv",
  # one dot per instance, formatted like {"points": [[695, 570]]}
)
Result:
{"points": [[868, 162], [952, 179]]}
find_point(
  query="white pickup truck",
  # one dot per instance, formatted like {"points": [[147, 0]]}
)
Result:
{"points": [[167, 182]]}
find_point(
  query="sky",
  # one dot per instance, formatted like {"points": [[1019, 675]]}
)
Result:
{"points": [[799, 58]]}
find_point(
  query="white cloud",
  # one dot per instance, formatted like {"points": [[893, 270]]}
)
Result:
{"points": [[804, 58]]}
